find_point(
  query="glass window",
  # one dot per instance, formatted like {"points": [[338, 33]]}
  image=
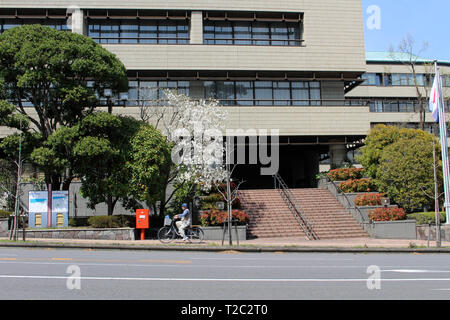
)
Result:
{"points": [[223, 33], [315, 93], [263, 93], [242, 33], [148, 32], [225, 92], [300, 93], [139, 31], [129, 32], [281, 93], [261, 30], [396, 79], [374, 79], [279, 34], [244, 93]]}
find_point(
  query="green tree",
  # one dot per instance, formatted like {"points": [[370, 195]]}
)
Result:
{"points": [[58, 75], [405, 172], [380, 137], [101, 156], [149, 163]]}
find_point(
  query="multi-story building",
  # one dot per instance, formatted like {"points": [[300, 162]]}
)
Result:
{"points": [[393, 89], [273, 65], [293, 66]]}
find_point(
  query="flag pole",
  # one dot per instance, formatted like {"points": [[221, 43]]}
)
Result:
{"points": [[444, 144]]}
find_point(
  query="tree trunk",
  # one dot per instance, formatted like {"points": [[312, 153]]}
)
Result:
{"points": [[111, 203]]}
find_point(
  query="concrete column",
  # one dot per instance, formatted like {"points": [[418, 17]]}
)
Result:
{"points": [[338, 155], [76, 21], [196, 32]]}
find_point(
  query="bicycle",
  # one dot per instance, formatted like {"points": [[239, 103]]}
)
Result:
{"points": [[168, 233]]}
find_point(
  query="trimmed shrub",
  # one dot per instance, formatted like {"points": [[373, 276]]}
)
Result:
{"points": [[357, 185], [345, 174], [119, 221], [5, 214], [369, 199], [426, 217], [387, 214], [216, 218]]}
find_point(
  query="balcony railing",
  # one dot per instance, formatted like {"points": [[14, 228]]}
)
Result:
{"points": [[257, 102]]}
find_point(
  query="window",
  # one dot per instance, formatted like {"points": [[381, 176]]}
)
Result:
{"points": [[264, 93], [373, 79], [252, 33], [139, 31], [58, 24]]}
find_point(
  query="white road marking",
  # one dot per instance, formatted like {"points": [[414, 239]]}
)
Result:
{"points": [[217, 279], [416, 271]]}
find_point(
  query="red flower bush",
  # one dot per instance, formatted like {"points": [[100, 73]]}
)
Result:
{"points": [[387, 214], [215, 217], [345, 174], [357, 185], [369, 199]]}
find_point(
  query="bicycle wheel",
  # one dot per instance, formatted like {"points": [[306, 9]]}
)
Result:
{"points": [[166, 234], [195, 235]]}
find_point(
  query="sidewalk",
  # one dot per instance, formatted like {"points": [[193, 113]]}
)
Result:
{"points": [[254, 245]]}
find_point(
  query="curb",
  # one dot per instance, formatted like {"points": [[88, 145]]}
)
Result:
{"points": [[256, 249]]}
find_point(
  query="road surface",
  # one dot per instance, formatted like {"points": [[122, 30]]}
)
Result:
{"points": [[75, 274]]}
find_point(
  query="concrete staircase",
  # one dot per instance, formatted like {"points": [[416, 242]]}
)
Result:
{"points": [[270, 216]]}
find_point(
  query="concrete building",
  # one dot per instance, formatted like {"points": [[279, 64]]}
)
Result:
{"points": [[294, 66]]}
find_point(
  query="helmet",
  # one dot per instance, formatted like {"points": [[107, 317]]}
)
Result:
{"points": [[184, 205]]}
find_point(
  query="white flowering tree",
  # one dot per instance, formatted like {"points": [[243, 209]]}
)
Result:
{"points": [[195, 129], [197, 132]]}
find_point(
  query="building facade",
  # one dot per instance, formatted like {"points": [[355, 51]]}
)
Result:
{"points": [[292, 66]]}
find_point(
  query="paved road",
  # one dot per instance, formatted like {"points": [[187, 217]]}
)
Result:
{"points": [[92, 274]]}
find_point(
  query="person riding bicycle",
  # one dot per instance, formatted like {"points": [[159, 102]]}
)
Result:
{"points": [[185, 221]]}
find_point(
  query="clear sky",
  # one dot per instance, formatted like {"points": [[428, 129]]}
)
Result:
{"points": [[426, 21]]}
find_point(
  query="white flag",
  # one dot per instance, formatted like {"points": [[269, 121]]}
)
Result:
{"points": [[435, 97]]}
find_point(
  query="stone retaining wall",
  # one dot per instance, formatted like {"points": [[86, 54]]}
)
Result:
{"points": [[424, 230], [3, 227], [94, 234]]}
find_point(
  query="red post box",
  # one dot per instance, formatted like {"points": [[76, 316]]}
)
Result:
{"points": [[142, 216]]}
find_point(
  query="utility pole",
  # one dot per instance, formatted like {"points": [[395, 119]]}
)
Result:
{"points": [[436, 199], [229, 201]]}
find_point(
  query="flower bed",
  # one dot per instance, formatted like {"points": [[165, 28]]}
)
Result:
{"points": [[369, 199], [215, 217], [387, 214], [357, 185], [345, 174]]}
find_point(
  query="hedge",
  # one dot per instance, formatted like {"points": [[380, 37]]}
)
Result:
{"points": [[5, 214], [426, 217], [119, 221]]}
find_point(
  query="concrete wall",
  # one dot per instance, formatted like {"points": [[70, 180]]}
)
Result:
{"points": [[216, 233], [392, 229], [333, 33]]}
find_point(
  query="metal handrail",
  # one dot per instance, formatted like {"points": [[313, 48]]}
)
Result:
{"points": [[296, 210], [341, 192]]}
